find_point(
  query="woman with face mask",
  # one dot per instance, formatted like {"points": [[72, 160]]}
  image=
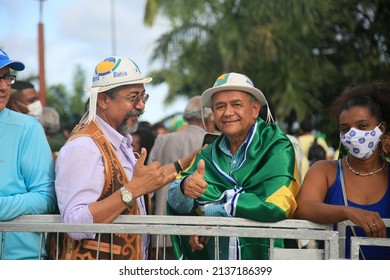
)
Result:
{"points": [[356, 187]]}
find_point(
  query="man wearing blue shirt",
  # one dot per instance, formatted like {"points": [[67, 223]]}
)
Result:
{"points": [[26, 168]]}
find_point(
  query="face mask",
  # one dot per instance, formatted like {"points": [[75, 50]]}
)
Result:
{"points": [[34, 109], [361, 143]]}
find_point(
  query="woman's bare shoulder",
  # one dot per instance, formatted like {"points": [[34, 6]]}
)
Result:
{"points": [[325, 164], [324, 168], [319, 178]]}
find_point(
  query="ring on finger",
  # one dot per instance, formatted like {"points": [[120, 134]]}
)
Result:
{"points": [[373, 225]]}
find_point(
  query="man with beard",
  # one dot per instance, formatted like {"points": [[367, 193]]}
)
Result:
{"points": [[98, 176]]}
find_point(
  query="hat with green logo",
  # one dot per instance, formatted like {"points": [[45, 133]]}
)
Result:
{"points": [[232, 81]]}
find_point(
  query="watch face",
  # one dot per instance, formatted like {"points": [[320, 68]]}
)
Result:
{"points": [[127, 197]]}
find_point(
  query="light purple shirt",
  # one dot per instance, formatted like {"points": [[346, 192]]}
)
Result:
{"points": [[80, 177]]}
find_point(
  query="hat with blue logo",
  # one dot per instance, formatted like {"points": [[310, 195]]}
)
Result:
{"points": [[110, 73], [13, 64]]}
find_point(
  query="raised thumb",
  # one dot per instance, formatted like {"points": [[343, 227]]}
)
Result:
{"points": [[201, 167], [142, 157]]}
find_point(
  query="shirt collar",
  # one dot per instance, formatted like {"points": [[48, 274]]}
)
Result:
{"points": [[114, 136], [224, 144]]}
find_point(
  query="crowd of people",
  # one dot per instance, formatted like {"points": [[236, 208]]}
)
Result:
{"points": [[112, 164]]}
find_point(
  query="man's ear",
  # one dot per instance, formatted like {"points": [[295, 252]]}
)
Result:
{"points": [[102, 99], [256, 109]]}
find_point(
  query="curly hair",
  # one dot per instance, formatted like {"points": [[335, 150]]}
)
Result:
{"points": [[374, 96]]}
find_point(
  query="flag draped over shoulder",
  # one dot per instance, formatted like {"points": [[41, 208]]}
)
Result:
{"points": [[263, 188]]}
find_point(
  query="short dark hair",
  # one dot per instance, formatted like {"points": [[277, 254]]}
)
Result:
{"points": [[21, 85], [17, 89], [306, 125], [158, 125]]}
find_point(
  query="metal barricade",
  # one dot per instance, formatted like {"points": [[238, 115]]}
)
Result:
{"points": [[342, 229], [190, 225], [356, 242]]}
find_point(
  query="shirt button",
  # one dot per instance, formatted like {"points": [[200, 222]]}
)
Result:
{"points": [[234, 161]]}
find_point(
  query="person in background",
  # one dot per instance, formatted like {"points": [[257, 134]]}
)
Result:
{"points": [[180, 143], [306, 138], [143, 138], [356, 187], [174, 145], [145, 125], [50, 120], [98, 177], [67, 129], [384, 96], [26, 171], [24, 99], [159, 128], [249, 171], [177, 124]]}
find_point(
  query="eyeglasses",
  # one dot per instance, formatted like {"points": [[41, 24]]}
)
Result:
{"points": [[136, 98], [9, 79]]}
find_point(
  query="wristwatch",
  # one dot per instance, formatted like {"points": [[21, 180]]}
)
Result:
{"points": [[127, 197]]}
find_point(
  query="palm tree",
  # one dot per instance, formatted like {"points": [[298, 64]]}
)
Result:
{"points": [[208, 38], [300, 53]]}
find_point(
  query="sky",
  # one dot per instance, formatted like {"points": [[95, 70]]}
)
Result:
{"points": [[78, 32]]}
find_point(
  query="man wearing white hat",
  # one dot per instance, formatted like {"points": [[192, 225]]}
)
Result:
{"points": [[26, 170], [98, 177], [248, 172]]}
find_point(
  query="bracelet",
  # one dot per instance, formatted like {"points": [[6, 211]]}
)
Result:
{"points": [[178, 166], [181, 165]]}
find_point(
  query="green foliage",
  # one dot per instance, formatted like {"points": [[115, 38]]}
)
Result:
{"points": [[70, 105], [254, 37], [300, 53]]}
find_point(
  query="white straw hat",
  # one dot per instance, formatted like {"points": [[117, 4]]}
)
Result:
{"points": [[110, 73], [235, 81], [232, 81]]}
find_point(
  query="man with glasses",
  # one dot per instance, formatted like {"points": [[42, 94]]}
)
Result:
{"points": [[26, 170], [98, 177]]}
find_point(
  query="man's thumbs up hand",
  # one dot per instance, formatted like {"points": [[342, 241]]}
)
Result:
{"points": [[195, 185]]}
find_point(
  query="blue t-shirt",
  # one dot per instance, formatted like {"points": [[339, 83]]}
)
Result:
{"points": [[335, 196], [26, 180]]}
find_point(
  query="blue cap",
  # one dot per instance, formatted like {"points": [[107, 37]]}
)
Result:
{"points": [[13, 64]]}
